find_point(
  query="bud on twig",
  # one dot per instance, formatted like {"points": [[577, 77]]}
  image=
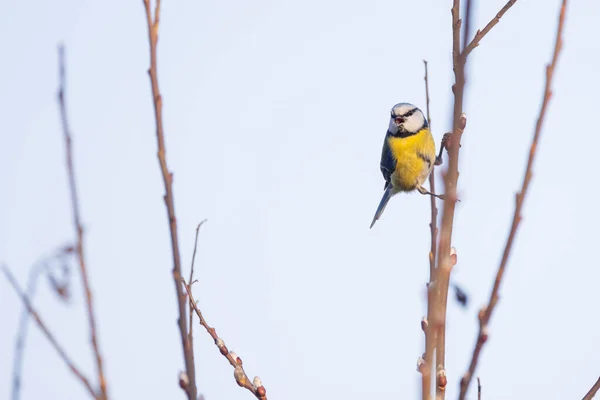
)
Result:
{"points": [[421, 364], [184, 380], [441, 377], [240, 376]]}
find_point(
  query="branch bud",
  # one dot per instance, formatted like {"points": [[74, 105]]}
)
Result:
{"points": [[240, 376], [184, 380], [257, 382], [441, 377], [421, 364]]}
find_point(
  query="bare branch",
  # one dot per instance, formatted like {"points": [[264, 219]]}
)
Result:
{"points": [[486, 312], [434, 210], [153, 24], [446, 259], [255, 387], [78, 226], [429, 333], [592, 392], [478, 388], [59, 349], [481, 33], [191, 310]]}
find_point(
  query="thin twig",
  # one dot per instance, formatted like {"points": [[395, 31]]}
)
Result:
{"points": [[59, 349], [78, 226], [429, 333], [478, 388], [191, 310], [434, 210], [153, 24], [592, 392], [255, 387], [486, 313], [43, 265], [481, 33], [467, 30]]}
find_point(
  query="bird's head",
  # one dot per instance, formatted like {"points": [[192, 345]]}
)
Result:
{"points": [[406, 119]]}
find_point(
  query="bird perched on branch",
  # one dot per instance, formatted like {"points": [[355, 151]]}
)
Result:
{"points": [[408, 154]]}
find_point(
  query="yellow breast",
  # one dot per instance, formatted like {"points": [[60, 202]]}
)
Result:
{"points": [[414, 156]]}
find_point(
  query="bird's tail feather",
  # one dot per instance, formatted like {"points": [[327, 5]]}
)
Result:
{"points": [[387, 195]]}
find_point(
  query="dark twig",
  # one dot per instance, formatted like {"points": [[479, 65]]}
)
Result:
{"points": [[59, 349], [486, 312], [592, 392], [78, 226], [478, 388], [429, 333], [481, 33], [240, 376], [153, 24], [44, 265]]}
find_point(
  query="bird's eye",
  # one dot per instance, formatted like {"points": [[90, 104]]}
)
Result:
{"points": [[399, 120]]}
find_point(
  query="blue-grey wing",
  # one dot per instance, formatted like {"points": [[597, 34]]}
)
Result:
{"points": [[388, 162]]}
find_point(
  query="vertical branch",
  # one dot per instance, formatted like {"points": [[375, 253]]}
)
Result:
{"points": [[445, 259], [153, 24], [78, 227], [434, 210], [486, 313], [429, 333], [446, 256]]}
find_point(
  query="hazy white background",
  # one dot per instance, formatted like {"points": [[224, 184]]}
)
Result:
{"points": [[275, 112]]}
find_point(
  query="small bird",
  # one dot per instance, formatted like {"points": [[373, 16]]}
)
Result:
{"points": [[408, 154]]}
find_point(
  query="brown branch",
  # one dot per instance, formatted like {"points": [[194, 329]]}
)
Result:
{"points": [[78, 226], [429, 333], [478, 388], [59, 349], [486, 312], [592, 392], [255, 387], [153, 24], [446, 260], [481, 33], [191, 310]]}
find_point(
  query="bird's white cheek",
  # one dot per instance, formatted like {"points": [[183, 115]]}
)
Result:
{"points": [[413, 124]]}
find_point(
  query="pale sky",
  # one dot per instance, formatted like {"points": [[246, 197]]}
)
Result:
{"points": [[275, 113]]}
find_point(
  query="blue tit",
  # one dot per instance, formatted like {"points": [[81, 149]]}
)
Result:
{"points": [[408, 154]]}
